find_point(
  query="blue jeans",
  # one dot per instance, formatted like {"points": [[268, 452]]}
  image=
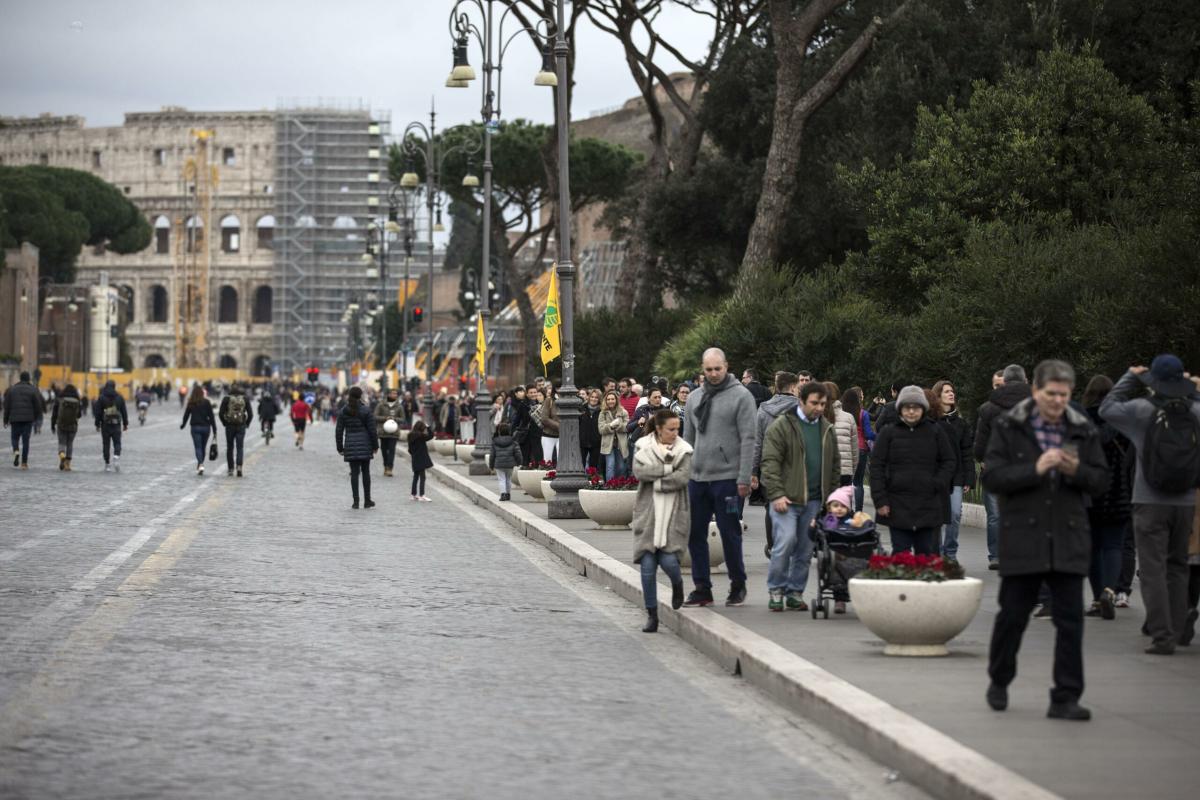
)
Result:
{"points": [[860, 474], [950, 532], [716, 499], [792, 553], [650, 564], [200, 442], [991, 506], [235, 440], [1108, 539], [614, 464], [20, 438]]}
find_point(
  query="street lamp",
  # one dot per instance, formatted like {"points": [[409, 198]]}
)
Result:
{"points": [[462, 29], [434, 157], [379, 234]]}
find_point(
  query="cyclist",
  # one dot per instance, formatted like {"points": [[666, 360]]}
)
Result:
{"points": [[144, 399], [268, 409]]}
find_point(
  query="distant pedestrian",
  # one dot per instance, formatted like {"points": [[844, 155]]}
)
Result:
{"points": [[236, 415], [389, 410], [1110, 515], [64, 420], [614, 441], [785, 400], [662, 463], [23, 406], [302, 414], [912, 467], [721, 426], [846, 428], [962, 440], [357, 443], [548, 420], [199, 412], [679, 405], [268, 410], [505, 455], [1043, 461], [418, 451], [852, 402], [111, 419], [760, 392], [1165, 429], [589, 429]]}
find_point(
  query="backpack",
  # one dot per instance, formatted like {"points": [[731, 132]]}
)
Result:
{"points": [[236, 412], [68, 413], [112, 414], [1171, 450]]}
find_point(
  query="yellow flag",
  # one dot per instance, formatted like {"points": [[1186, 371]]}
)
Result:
{"points": [[480, 344], [551, 324]]}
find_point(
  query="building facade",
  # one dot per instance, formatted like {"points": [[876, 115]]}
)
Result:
{"points": [[19, 306]]}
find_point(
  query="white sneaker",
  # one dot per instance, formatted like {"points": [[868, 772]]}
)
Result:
{"points": [[108, 467], [117, 463], [415, 498], [425, 499], [1122, 600], [200, 470]]}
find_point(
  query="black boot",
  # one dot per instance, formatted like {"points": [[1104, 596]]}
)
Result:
{"points": [[355, 503], [676, 595], [651, 625], [368, 503]]}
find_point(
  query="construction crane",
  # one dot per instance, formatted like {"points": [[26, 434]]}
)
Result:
{"points": [[193, 255]]}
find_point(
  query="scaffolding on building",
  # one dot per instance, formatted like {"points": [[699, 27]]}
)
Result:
{"points": [[599, 270], [193, 255], [331, 172]]}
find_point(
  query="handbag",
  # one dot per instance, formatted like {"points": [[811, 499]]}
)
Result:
{"points": [[212, 452]]}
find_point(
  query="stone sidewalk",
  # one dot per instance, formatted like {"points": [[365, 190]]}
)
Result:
{"points": [[1143, 740]]}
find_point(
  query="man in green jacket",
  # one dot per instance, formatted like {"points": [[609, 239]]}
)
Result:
{"points": [[800, 466]]}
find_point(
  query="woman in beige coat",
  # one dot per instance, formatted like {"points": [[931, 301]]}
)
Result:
{"points": [[614, 441], [846, 428], [662, 514]]}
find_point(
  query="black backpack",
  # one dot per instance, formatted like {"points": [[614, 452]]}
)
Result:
{"points": [[1171, 450], [68, 413]]}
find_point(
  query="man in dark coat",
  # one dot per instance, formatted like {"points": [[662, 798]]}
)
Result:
{"points": [[750, 381], [1043, 461], [236, 415], [912, 466], [23, 406], [111, 419], [1014, 389]]}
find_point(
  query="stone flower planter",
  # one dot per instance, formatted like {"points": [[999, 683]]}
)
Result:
{"points": [[547, 492], [916, 618], [525, 478], [463, 451], [443, 447], [609, 509], [716, 551]]}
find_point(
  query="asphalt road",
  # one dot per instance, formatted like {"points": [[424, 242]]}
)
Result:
{"points": [[164, 635]]}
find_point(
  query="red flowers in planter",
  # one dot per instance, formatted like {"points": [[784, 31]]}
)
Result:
{"points": [[464, 441], [550, 475], [443, 436], [596, 481], [542, 465], [909, 567]]}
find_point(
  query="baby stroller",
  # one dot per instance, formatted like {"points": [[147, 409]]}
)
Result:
{"points": [[841, 552]]}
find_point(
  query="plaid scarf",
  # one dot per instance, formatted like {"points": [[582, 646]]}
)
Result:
{"points": [[1049, 434]]}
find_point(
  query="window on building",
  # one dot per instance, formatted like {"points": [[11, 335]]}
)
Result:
{"points": [[227, 310], [268, 189], [227, 157], [128, 189], [195, 235], [96, 159], [155, 361], [263, 298], [231, 234], [44, 159], [227, 362], [98, 249], [266, 232], [158, 303], [160, 157], [128, 309], [262, 366], [162, 235]]}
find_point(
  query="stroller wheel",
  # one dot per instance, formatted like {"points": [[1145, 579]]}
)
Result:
{"points": [[827, 607]]}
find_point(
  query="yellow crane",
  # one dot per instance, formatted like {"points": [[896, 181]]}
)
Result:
{"points": [[193, 255]]}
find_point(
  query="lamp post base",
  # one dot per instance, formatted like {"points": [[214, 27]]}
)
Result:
{"points": [[478, 467], [565, 505]]}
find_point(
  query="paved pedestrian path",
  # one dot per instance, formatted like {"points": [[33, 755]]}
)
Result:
{"points": [[164, 635], [1144, 740]]}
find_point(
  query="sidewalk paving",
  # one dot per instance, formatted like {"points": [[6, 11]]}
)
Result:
{"points": [[1144, 739]]}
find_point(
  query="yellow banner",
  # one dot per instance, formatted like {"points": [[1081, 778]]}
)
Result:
{"points": [[480, 344], [405, 290], [551, 324]]}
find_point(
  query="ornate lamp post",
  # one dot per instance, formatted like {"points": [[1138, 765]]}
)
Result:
{"points": [[434, 158], [462, 29], [379, 233]]}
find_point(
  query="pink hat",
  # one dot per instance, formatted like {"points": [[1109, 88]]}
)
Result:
{"points": [[843, 495]]}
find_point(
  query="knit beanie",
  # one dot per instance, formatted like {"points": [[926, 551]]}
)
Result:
{"points": [[843, 495], [912, 395]]}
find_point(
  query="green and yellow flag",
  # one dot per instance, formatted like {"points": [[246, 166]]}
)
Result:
{"points": [[551, 323], [480, 344]]}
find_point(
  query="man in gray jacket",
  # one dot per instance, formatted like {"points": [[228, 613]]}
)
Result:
{"points": [[787, 388], [721, 427], [23, 406], [1162, 520]]}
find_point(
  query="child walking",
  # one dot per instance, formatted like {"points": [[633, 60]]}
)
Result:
{"points": [[662, 463], [505, 455], [418, 450]]}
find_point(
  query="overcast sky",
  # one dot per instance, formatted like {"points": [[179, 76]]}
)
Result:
{"points": [[102, 58]]}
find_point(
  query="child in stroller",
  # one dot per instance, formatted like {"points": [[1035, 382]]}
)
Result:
{"points": [[843, 544]]}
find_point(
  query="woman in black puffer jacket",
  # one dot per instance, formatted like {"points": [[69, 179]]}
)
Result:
{"points": [[357, 442]]}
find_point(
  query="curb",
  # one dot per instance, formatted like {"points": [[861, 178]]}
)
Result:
{"points": [[925, 757]]}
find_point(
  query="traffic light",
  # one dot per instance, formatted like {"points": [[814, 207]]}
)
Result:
{"points": [[313, 374], [418, 313]]}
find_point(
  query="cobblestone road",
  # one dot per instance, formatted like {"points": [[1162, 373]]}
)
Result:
{"points": [[163, 635]]}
